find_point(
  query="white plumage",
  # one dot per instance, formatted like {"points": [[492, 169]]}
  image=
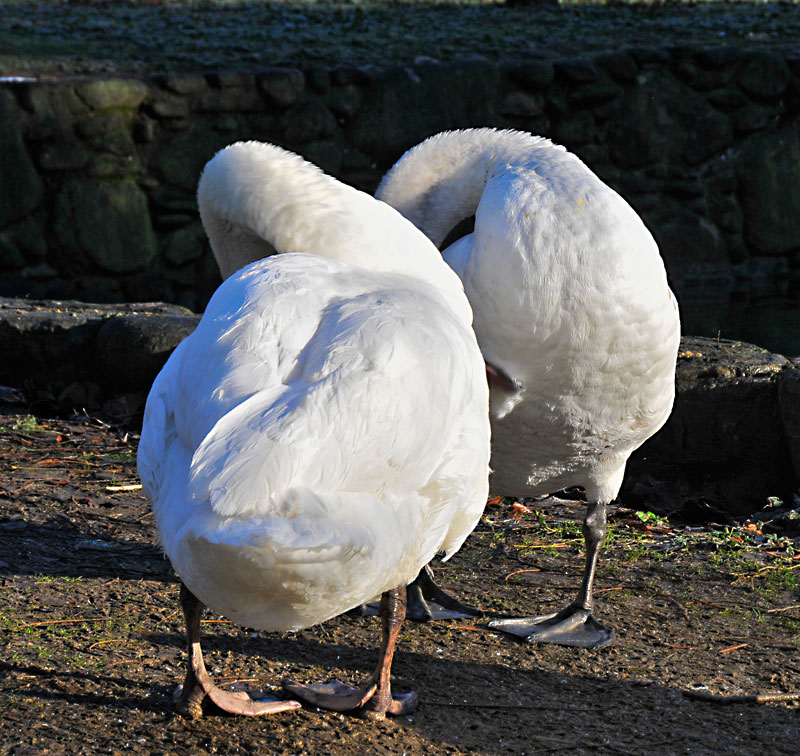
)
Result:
{"points": [[324, 432], [570, 302]]}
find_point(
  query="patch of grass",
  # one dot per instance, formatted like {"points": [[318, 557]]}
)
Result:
{"points": [[25, 424], [127, 456]]}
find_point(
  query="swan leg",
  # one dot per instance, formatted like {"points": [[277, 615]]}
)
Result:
{"points": [[427, 601], [575, 625], [375, 695], [198, 684]]}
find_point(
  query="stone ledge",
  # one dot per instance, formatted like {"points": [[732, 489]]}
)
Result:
{"points": [[731, 442], [727, 445], [79, 355]]}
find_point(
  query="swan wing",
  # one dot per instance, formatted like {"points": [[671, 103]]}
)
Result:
{"points": [[366, 439]]}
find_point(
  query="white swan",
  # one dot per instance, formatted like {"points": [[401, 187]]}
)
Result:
{"points": [[573, 312], [324, 432]]}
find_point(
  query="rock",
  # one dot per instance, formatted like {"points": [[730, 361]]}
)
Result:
{"points": [[576, 71], [166, 105], [185, 84], [345, 100], [132, 348], [575, 129], [22, 189], [56, 103], [724, 445], [692, 246], [645, 55], [65, 154], [325, 153], [600, 90], [106, 223], [764, 75], [182, 158], [768, 172], [718, 57], [727, 98], [307, 122], [751, 118], [522, 104], [231, 100], [406, 105], [10, 256], [105, 94], [282, 86], [535, 74], [621, 66], [52, 345], [789, 402], [185, 244], [81, 396], [665, 121]]}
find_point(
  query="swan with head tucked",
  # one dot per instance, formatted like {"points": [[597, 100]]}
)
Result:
{"points": [[573, 315], [324, 431]]}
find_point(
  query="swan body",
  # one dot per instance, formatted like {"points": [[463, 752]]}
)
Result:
{"points": [[324, 431], [570, 301]]}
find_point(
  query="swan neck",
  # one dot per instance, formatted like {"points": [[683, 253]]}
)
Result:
{"points": [[441, 181], [257, 199]]}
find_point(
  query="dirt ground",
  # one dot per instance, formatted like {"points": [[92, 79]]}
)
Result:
{"points": [[92, 641]]}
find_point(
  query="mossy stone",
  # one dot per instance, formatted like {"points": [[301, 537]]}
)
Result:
{"points": [[22, 189], [106, 224]]}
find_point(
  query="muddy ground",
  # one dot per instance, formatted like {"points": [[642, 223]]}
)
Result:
{"points": [[92, 643]]}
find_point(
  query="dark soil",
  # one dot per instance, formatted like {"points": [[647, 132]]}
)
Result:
{"points": [[93, 642]]}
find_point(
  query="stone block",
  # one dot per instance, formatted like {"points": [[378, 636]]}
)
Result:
{"points": [[185, 84], [665, 121], [763, 75], [132, 348], [166, 105], [522, 104], [22, 189], [63, 155], [535, 74], [691, 245], [767, 167], [105, 94], [345, 100], [407, 105], [620, 65], [185, 244], [306, 122], [577, 71], [179, 162], [56, 102], [282, 86], [789, 402], [725, 439], [104, 223]]}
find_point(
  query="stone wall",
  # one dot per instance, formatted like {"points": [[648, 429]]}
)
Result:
{"points": [[97, 177]]}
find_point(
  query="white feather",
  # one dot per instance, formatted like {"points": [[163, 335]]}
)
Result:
{"points": [[570, 299], [324, 432]]}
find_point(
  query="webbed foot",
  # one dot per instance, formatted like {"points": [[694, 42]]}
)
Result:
{"points": [[375, 696], [427, 601], [572, 626], [338, 696], [190, 700]]}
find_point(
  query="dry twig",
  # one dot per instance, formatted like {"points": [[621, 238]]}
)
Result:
{"points": [[703, 695]]}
